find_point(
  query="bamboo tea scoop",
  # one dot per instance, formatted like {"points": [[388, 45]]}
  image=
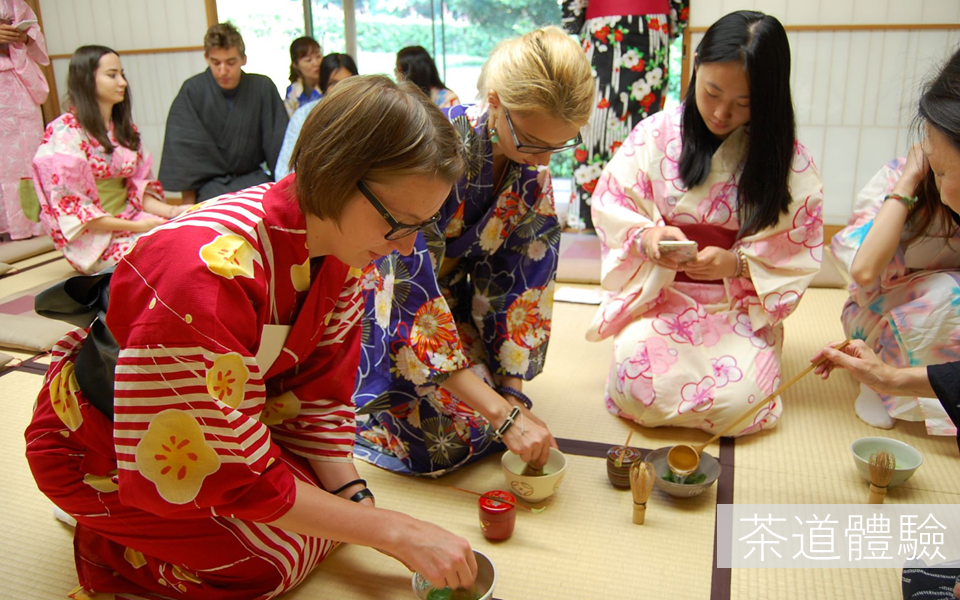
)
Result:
{"points": [[533, 510], [683, 459]]}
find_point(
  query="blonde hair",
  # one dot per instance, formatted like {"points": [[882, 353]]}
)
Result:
{"points": [[370, 128], [543, 72]]}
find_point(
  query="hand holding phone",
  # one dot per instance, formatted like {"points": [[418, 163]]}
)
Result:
{"points": [[26, 24], [679, 251]]}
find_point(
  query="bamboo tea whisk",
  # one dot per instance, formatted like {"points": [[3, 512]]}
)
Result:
{"points": [[882, 464], [642, 474]]}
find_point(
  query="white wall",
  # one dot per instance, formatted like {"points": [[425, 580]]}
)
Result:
{"points": [[855, 92], [122, 25]]}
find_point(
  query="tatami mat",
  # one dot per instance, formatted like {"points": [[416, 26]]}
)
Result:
{"points": [[569, 394], [806, 459], [36, 550], [584, 546], [51, 272]]}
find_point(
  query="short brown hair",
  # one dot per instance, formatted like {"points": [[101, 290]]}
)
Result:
{"points": [[223, 35], [368, 127]]}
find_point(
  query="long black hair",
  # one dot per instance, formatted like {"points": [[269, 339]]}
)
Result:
{"points": [[416, 65], [330, 64], [759, 42], [939, 107], [299, 48], [82, 95]]}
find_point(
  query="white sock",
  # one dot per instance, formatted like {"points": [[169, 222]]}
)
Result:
{"points": [[871, 410], [62, 515]]}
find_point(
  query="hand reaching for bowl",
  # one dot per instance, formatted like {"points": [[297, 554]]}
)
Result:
{"points": [[530, 439], [442, 558]]}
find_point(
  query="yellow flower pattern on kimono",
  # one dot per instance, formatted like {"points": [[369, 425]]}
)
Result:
{"points": [[63, 396], [300, 275], [175, 457], [102, 483], [196, 206], [226, 379], [134, 557], [182, 575], [280, 408], [229, 256]]}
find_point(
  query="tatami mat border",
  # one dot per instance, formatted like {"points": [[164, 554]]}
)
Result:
{"points": [[722, 578], [28, 366], [31, 267]]}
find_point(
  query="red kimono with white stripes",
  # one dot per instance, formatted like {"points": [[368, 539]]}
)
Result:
{"points": [[215, 415]]}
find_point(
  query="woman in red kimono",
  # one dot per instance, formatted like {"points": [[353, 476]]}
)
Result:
{"points": [[222, 464]]}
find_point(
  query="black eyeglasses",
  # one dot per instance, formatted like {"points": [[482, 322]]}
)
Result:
{"points": [[531, 149], [398, 230]]}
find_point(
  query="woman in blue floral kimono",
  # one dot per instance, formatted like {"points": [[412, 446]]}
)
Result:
{"points": [[451, 331]]}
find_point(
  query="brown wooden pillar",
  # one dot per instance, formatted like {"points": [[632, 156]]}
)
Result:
{"points": [[50, 108]]}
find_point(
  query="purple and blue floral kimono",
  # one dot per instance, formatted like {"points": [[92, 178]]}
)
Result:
{"points": [[476, 292]]}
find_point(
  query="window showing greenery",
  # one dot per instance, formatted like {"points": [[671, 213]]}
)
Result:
{"points": [[267, 29], [459, 34]]}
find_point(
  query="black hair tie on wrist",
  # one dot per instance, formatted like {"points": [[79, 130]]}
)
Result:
{"points": [[361, 495], [348, 484]]}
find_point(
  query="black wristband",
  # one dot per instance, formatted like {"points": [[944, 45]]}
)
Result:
{"points": [[523, 398], [498, 434], [362, 494], [348, 484]]}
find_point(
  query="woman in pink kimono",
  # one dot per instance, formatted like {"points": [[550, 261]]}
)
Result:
{"points": [[697, 339], [23, 89], [902, 249], [92, 175]]}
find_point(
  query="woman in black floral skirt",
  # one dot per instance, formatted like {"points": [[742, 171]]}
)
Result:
{"points": [[628, 45]]}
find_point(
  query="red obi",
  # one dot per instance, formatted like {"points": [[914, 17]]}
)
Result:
{"points": [[706, 235], [618, 8]]}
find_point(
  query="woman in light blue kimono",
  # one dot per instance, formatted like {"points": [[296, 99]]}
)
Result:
{"points": [[451, 331], [902, 250]]}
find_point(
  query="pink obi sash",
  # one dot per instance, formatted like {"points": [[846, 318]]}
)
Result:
{"points": [[706, 235], [617, 8]]}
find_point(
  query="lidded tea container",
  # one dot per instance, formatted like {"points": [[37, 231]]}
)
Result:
{"points": [[497, 519], [620, 475]]}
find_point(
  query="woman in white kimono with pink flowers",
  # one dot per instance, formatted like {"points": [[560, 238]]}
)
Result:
{"points": [[696, 343]]}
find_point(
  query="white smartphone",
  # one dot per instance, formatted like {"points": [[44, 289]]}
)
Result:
{"points": [[680, 251], [25, 25]]}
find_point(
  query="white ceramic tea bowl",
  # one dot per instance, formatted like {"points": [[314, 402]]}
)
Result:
{"points": [[538, 487], [907, 457]]}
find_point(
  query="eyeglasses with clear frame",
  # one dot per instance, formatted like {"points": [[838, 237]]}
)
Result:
{"points": [[533, 149], [398, 230]]}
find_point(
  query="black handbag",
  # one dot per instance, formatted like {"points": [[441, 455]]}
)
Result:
{"points": [[82, 301]]}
